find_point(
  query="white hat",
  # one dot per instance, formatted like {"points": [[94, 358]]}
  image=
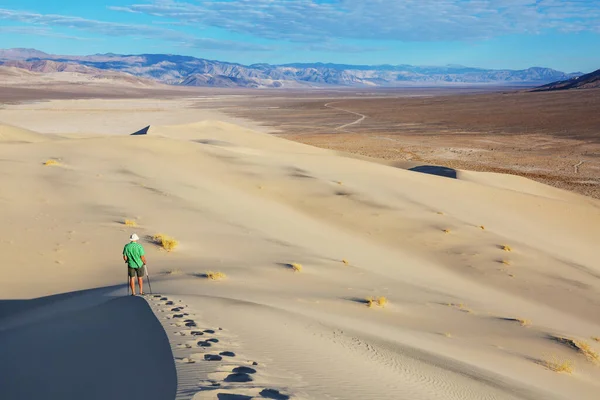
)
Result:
{"points": [[134, 238]]}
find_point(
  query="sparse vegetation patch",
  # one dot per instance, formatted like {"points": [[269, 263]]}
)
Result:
{"points": [[556, 364], [376, 301], [506, 247], [215, 276], [130, 222], [581, 346], [296, 267], [166, 242], [51, 162]]}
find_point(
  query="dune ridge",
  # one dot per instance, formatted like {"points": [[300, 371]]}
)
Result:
{"points": [[249, 204]]}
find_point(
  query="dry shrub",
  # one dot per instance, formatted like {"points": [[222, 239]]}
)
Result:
{"points": [[296, 267], [346, 262], [522, 321], [166, 242], [587, 351], [379, 301], [506, 247], [505, 262], [446, 230], [556, 364], [581, 346], [215, 276], [596, 338], [482, 227], [130, 222], [51, 162]]}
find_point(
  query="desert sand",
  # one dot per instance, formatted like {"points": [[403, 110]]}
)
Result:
{"points": [[490, 281]]}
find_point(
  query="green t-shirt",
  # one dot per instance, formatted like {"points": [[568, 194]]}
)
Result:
{"points": [[134, 252]]}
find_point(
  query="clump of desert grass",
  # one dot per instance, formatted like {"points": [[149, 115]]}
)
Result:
{"points": [[587, 351], [505, 262], [521, 321], [130, 222], [296, 267], [581, 347], [482, 227], [447, 334], [166, 242], [506, 247], [596, 338], [346, 262], [51, 162], [556, 364], [376, 301], [446, 231], [215, 276]]}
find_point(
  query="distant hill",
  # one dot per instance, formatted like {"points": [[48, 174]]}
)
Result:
{"points": [[191, 71], [587, 81]]}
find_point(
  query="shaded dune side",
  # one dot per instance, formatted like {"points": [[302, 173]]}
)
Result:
{"points": [[117, 350]]}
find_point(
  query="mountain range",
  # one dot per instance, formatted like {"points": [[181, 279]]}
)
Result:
{"points": [[191, 71], [587, 81]]}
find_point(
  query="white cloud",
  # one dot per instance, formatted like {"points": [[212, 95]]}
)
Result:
{"points": [[404, 20], [36, 31], [117, 29]]}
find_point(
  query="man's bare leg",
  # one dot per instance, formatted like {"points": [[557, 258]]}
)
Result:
{"points": [[141, 284], [132, 285]]}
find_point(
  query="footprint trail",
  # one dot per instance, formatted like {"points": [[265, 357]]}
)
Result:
{"points": [[207, 365]]}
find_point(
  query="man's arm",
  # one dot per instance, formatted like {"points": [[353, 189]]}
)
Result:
{"points": [[144, 259], [124, 257]]}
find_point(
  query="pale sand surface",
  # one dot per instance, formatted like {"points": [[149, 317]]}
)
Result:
{"points": [[247, 204]]}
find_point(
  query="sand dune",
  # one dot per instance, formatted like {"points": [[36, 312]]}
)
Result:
{"points": [[464, 319]]}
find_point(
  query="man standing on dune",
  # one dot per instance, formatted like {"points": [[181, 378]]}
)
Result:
{"points": [[133, 254]]}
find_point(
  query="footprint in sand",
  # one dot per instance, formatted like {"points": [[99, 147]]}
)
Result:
{"points": [[244, 370], [274, 394], [212, 357], [184, 360], [238, 378], [227, 354], [227, 396], [204, 344]]}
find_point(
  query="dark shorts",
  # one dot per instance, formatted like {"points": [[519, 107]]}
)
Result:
{"points": [[136, 271]]}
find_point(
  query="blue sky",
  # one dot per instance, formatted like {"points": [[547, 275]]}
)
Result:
{"points": [[484, 33]]}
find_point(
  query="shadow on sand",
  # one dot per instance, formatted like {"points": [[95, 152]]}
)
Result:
{"points": [[436, 170], [143, 131], [84, 345]]}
